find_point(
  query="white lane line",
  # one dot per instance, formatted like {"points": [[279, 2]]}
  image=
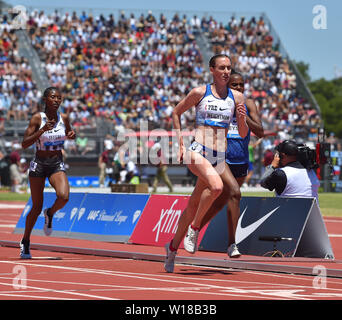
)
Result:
{"points": [[12, 206], [26, 296], [290, 293], [225, 291], [60, 291]]}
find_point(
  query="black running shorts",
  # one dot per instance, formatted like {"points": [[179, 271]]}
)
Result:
{"points": [[42, 168], [238, 170]]}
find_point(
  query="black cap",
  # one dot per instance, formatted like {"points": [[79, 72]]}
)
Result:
{"points": [[288, 147]]}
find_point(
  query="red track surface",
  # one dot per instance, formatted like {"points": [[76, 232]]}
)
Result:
{"points": [[56, 275]]}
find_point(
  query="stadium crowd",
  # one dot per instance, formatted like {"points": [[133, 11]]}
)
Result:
{"points": [[126, 70], [129, 68], [18, 92], [137, 68]]}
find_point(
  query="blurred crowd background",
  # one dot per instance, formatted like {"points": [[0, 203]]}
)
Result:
{"points": [[118, 70]]}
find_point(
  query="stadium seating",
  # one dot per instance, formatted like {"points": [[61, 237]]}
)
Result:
{"points": [[114, 72]]}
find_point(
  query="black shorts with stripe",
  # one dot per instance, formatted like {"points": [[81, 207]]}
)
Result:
{"points": [[45, 167]]}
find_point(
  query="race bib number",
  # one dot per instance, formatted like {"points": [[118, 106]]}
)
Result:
{"points": [[233, 131]]}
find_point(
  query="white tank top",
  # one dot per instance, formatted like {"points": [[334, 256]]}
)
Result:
{"points": [[212, 111], [300, 183], [52, 139]]}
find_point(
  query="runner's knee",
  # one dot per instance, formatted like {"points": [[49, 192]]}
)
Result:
{"points": [[216, 189], [63, 196], [235, 193], [36, 209]]}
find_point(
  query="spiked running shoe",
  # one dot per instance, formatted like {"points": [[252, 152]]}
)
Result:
{"points": [[48, 223], [190, 240], [233, 251], [25, 249], [169, 264]]}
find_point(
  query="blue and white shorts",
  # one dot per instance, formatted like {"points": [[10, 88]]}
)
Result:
{"points": [[213, 156]]}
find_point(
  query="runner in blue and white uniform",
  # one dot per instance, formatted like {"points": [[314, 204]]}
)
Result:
{"points": [[215, 106], [47, 130], [237, 157]]}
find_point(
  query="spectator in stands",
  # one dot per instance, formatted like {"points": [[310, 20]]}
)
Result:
{"points": [[161, 174], [12, 112], [268, 157], [331, 138], [82, 144], [23, 169], [70, 147], [102, 164], [130, 174], [118, 163], [5, 103], [3, 167], [251, 159], [22, 110], [108, 142], [15, 175]]}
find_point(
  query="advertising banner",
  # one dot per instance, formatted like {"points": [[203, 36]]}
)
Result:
{"points": [[159, 221], [62, 220], [109, 217], [104, 217], [273, 227]]}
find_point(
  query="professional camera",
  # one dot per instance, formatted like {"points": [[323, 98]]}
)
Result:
{"points": [[307, 157]]}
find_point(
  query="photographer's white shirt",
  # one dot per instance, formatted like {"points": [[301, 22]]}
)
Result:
{"points": [[293, 180], [300, 183]]}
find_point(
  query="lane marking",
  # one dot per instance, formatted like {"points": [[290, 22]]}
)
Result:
{"points": [[60, 291], [7, 225], [12, 206], [276, 292]]}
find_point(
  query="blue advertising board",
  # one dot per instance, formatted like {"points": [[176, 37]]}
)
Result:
{"points": [[81, 181], [109, 217], [62, 220], [93, 216]]}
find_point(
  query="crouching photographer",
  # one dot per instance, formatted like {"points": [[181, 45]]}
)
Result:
{"points": [[291, 173]]}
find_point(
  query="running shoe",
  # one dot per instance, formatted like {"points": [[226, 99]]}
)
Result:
{"points": [[170, 259], [25, 249], [48, 223], [190, 240], [233, 251]]}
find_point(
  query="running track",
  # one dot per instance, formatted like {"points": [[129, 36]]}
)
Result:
{"points": [[68, 276]]}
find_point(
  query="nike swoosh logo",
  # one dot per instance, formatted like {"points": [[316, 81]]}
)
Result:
{"points": [[242, 233], [221, 109]]}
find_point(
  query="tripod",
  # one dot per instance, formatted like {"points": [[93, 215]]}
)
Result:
{"points": [[274, 239]]}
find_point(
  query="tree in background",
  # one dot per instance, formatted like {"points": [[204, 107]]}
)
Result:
{"points": [[328, 94], [329, 97]]}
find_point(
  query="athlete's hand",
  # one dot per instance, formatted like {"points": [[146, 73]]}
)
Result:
{"points": [[49, 125], [181, 153], [241, 111], [71, 134]]}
